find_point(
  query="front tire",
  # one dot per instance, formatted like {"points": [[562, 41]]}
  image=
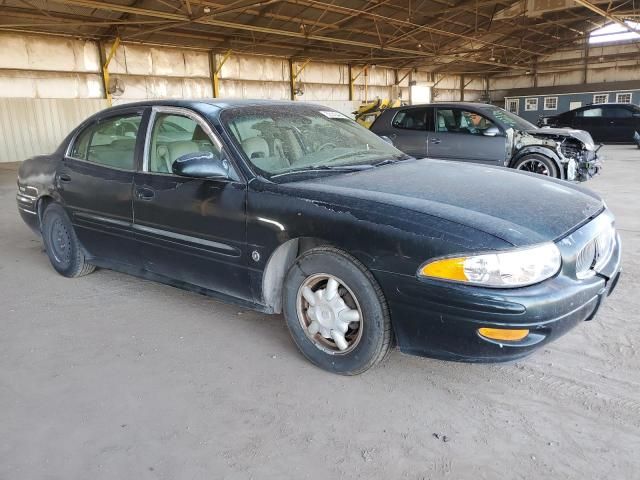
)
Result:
{"points": [[537, 163], [336, 312], [61, 243]]}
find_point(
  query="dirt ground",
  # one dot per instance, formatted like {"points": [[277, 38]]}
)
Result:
{"points": [[113, 377]]}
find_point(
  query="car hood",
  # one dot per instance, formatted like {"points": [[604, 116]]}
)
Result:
{"points": [[517, 207], [581, 135]]}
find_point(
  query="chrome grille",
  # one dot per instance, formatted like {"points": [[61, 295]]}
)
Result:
{"points": [[595, 254]]}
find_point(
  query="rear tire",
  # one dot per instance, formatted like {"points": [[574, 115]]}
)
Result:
{"points": [[336, 312], [61, 243], [536, 163]]}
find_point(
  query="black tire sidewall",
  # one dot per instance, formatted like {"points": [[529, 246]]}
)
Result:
{"points": [[374, 310], [551, 165], [52, 213]]}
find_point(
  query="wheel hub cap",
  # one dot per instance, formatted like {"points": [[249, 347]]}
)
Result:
{"points": [[328, 320]]}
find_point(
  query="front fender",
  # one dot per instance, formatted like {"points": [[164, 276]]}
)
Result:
{"points": [[383, 237]]}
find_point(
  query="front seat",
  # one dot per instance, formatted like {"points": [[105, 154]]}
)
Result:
{"points": [[442, 124], [255, 147], [170, 152]]}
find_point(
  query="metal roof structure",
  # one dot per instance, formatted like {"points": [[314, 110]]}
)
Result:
{"points": [[451, 36]]}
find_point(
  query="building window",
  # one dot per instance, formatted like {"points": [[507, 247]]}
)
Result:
{"points": [[550, 103], [531, 104], [615, 32], [623, 98], [512, 105], [600, 98]]}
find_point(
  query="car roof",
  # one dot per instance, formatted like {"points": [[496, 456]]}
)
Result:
{"points": [[444, 104], [219, 103], [608, 104]]}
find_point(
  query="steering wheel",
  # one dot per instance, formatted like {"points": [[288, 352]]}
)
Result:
{"points": [[326, 145]]}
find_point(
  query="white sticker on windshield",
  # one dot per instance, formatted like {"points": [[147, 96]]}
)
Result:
{"points": [[332, 114]]}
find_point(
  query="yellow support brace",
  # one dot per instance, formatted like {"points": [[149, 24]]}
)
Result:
{"points": [[353, 79], [105, 68], [215, 71], [293, 76]]}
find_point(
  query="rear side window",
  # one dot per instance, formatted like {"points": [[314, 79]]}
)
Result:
{"points": [[590, 112], [412, 119], [110, 142]]}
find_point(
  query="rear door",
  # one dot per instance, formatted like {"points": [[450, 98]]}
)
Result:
{"points": [[95, 181], [190, 229], [462, 134], [408, 130], [592, 120]]}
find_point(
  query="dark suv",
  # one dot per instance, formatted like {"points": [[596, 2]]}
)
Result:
{"points": [[606, 122], [481, 133]]}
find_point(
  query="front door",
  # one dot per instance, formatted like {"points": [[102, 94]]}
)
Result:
{"points": [[467, 136], [95, 181], [619, 122], [189, 229]]}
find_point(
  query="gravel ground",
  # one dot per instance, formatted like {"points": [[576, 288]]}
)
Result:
{"points": [[113, 377]]}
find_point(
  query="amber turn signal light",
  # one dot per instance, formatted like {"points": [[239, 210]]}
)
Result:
{"points": [[503, 333]]}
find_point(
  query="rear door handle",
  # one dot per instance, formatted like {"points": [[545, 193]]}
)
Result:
{"points": [[63, 177], [436, 140], [143, 193]]}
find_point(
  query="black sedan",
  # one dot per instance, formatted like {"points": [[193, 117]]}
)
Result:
{"points": [[294, 208], [606, 122]]}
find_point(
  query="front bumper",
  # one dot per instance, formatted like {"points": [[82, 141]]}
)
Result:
{"points": [[441, 319], [585, 166]]}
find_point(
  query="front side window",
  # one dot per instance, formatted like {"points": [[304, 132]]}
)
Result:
{"points": [[617, 112], [280, 139], [412, 119], [174, 136], [456, 120], [600, 98], [110, 142]]}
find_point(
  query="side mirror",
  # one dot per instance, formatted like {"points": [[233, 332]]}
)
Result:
{"points": [[200, 165], [492, 131]]}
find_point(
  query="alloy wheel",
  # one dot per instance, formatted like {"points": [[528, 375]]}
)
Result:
{"points": [[535, 166]]}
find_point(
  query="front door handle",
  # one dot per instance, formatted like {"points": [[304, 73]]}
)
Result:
{"points": [[63, 177], [436, 141], [143, 193]]}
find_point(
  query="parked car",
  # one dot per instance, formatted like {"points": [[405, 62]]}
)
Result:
{"points": [[481, 133], [606, 122], [294, 208]]}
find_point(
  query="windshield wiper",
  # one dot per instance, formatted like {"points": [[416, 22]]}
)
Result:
{"points": [[320, 168], [389, 161]]}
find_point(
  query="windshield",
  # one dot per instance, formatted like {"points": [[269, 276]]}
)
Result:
{"points": [[508, 119], [282, 139]]}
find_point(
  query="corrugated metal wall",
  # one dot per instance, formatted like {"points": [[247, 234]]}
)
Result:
{"points": [[33, 126]]}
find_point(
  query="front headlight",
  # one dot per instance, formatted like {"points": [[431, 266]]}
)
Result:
{"points": [[507, 268]]}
